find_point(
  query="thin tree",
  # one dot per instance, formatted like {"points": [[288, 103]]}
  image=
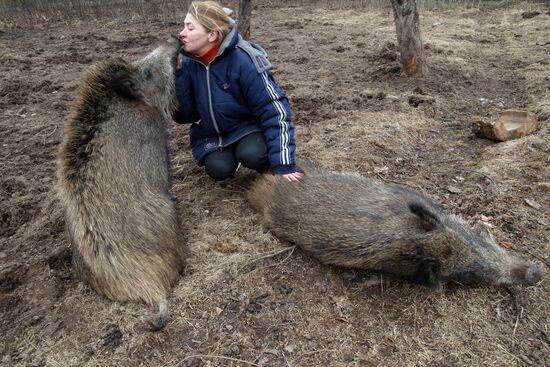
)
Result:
{"points": [[244, 14], [409, 40]]}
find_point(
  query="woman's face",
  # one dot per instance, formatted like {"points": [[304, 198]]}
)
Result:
{"points": [[196, 39]]}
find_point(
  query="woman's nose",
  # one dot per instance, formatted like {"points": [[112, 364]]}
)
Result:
{"points": [[183, 33]]}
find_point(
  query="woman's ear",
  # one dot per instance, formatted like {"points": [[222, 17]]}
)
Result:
{"points": [[213, 36]]}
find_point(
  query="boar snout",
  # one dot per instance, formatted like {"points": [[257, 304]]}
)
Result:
{"points": [[525, 274]]}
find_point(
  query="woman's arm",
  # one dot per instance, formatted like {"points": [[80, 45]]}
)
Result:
{"points": [[270, 105]]}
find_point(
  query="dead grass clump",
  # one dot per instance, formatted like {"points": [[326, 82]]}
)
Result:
{"points": [[28, 12], [375, 142], [423, 5]]}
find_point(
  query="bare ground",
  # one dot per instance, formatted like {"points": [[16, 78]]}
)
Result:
{"points": [[246, 298]]}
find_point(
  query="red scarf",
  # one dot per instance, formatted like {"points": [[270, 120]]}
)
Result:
{"points": [[209, 55]]}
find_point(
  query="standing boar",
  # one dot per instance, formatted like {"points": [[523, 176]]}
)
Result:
{"points": [[354, 221], [114, 180]]}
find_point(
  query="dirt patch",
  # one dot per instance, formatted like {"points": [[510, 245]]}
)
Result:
{"points": [[246, 298]]}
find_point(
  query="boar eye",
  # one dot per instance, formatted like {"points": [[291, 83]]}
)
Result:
{"points": [[148, 73]]}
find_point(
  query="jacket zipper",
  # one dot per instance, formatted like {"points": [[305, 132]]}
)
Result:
{"points": [[210, 106]]}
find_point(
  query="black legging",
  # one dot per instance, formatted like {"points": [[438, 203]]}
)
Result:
{"points": [[250, 151]]}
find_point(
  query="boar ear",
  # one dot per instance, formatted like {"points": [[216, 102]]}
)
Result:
{"points": [[428, 219], [124, 84], [427, 274]]}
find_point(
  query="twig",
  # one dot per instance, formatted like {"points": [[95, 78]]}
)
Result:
{"points": [[267, 255], [517, 321], [286, 360], [270, 266], [538, 257], [231, 190], [510, 354], [47, 136], [216, 356], [486, 176], [50, 360]]}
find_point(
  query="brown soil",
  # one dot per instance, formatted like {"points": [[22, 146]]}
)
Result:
{"points": [[246, 298]]}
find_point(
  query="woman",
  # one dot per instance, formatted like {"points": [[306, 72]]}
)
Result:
{"points": [[224, 87]]}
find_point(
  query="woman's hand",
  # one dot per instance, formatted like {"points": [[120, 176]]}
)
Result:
{"points": [[293, 177]]}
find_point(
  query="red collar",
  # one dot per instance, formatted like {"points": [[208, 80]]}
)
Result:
{"points": [[209, 55]]}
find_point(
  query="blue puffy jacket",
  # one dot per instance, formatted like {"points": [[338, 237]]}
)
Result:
{"points": [[234, 96]]}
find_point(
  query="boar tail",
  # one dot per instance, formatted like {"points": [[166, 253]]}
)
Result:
{"points": [[161, 319]]}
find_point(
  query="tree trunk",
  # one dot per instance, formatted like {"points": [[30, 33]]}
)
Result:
{"points": [[244, 14], [409, 40]]}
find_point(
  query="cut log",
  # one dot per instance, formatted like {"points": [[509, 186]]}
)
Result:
{"points": [[510, 125]]}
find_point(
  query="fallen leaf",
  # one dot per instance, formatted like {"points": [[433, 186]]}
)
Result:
{"points": [[453, 190], [507, 244], [485, 218], [533, 204]]}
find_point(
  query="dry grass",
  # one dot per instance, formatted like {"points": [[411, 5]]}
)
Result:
{"points": [[247, 298], [28, 12]]}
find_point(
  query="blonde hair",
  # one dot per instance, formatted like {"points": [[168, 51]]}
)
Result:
{"points": [[211, 15]]}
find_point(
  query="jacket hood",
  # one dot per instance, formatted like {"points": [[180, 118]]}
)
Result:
{"points": [[232, 38]]}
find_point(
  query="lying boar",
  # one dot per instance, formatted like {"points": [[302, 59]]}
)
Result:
{"points": [[358, 222]]}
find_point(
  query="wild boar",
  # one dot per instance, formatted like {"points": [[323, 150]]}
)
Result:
{"points": [[358, 222], [114, 180]]}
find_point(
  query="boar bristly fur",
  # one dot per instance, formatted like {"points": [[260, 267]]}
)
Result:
{"points": [[114, 181], [353, 221]]}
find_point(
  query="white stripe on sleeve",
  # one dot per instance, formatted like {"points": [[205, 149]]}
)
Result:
{"points": [[282, 116]]}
